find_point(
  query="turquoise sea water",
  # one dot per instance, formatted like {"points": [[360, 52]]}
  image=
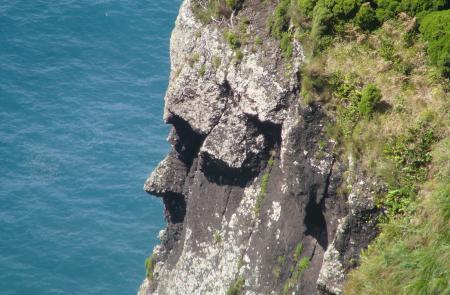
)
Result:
{"points": [[81, 100]]}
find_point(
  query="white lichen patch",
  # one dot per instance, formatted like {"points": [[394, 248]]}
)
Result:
{"points": [[274, 213]]}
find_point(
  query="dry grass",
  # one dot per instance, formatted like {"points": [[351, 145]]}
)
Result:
{"points": [[406, 97]]}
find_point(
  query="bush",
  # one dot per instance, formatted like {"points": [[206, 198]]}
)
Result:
{"points": [[414, 7], [435, 29], [233, 39], [343, 9], [366, 18], [322, 21], [236, 287], [286, 44], [150, 264], [306, 7], [280, 21], [370, 96]]}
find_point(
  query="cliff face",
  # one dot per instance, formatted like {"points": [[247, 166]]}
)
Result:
{"points": [[251, 187]]}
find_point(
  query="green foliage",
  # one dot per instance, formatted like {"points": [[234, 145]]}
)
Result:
{"points": [[238, 55], [435, 29], [258, 41], [202, 71], [233, 40], [236, 287], [343, 9], [387, 9], [217, 237], [411, 254], [216, 62], [286, 45], [150, 264], [298, 251], [346, 90], [370, 96], [366, 18], [306, 7], [262, 193], [281, 19], [193, 59], [300, 265], [322, 23], [411, 155], [281, 260], [205, 11]]}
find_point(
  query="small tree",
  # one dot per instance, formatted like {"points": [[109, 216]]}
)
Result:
{"points": [[366, 18], [370, 96]]}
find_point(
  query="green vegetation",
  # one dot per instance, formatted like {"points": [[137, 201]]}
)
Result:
{"points": [[237, 37], [233, 40], [320, 21], [236, 287], [300, 265], [262, 193], [216, 62], [193, 59], [391, 115], [435, 29], [281, 260], [202, 71], [370, 96], [150, 264], [411, 255], [217, 237], [411, 155], [208, 10]]}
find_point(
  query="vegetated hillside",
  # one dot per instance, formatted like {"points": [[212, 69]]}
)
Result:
{"points": [[381, 70], [302, 130]]}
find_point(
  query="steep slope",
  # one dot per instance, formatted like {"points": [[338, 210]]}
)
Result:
{"points": [[251, 187]]}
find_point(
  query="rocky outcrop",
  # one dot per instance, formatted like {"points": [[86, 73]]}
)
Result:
{"points": [[251, 186]]}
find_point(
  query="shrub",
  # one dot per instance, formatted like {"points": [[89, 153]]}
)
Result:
{"points": [[202, 71], [321, 25], [343, 9], [435, 29], [411, 155], [366, 18], [280, 20], [370, 96], [306, 7], [150, 264], [233, 40], [216, 62], [387, 9], [414, 7], [238, 55], [286, 44], [236, 287]]}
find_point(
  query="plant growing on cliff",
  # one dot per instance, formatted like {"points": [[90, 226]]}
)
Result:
{"points": [[411, 154], [236, 287], [435, 29], [300, 265], [370, 96], [150, 264], [262, 193], [208, 10]]}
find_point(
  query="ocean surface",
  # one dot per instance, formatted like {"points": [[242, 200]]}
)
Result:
{"points": [[81, 101]]}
